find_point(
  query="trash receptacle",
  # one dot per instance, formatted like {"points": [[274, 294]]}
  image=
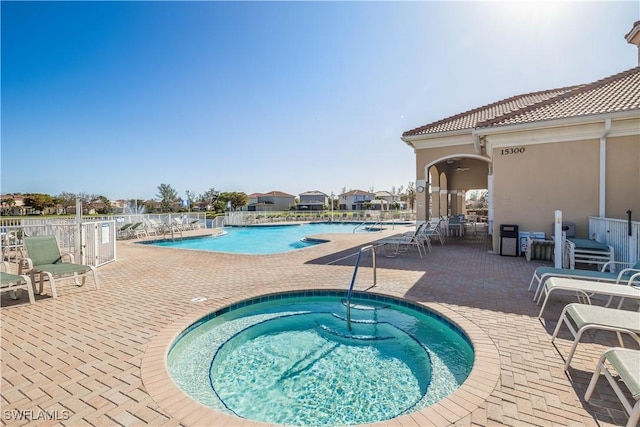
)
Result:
{"points": [[509, 240]]}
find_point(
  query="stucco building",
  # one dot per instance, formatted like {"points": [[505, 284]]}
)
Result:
{"points": [[574, 149]]}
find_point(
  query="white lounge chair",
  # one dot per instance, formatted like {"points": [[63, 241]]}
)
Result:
{"points": [[585, 288], [626, 362], [586, 317], [606, 274], [394, 245], [435, 231]]}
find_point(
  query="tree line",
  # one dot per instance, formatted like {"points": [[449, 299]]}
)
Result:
{"points": [[168, 200]]}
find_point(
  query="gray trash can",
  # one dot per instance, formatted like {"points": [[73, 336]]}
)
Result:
{"points": [[509, 240]]}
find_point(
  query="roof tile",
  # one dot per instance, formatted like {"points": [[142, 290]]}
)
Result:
{"points": [[620, 92]]}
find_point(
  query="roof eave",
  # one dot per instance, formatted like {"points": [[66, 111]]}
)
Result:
{"points": [[497, 129], [411, 139]]}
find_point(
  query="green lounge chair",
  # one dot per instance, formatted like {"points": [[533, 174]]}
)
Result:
{"points": [[44, 258], [586, 317], [627, 363], [14, 282], [541, 274]]}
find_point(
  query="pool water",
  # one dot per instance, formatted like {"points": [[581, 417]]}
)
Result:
{"points": [[261, 240], [294, 361]]}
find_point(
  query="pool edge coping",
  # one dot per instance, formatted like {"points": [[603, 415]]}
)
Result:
{"points": [[475, 390]]}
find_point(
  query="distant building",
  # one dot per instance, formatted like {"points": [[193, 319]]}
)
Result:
{"points": [[271, 201], [12, 205], [355, 200], [389, 201], [312, 201]]}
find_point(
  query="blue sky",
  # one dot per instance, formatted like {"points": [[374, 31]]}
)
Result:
{"points": [[116, 98]]}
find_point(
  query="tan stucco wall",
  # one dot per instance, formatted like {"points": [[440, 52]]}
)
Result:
{"points": [[530, 186], [623, 177]]}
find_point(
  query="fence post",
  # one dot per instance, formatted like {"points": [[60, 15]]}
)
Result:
{"points": [[78, 233]]}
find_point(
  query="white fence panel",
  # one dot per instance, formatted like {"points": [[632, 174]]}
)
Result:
{"points": [[623, 236], [97, 246], [98, 242]]}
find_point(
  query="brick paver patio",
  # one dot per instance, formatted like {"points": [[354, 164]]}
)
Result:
{"points": [[79, 359]]}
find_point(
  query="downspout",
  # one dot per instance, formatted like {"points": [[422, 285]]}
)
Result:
{"points": [[603, 169]]}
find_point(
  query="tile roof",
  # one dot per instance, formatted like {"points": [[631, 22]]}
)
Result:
{"points": [[313, 193], [356, 193], [620, 92], [275, 194]]}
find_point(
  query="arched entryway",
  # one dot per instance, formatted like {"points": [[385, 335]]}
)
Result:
{"points": [[449, 180]]}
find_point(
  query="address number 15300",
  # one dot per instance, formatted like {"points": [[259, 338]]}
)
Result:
{"points": [[507, 151]]}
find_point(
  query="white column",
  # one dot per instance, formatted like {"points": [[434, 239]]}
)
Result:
{"points": [[558, 239]]}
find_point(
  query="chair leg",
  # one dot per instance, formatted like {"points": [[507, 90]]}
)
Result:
{"points": [[532, 280], [32, 298], [52, 283], [594, 378]]}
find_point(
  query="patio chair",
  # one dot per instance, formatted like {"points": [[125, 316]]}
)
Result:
{"points": [[14, 282], [178, 225], [395, 245], [456, 226], [138, 229], [586, 317], [435, 231], [585, 289], [123, 232], [541, 274], [44, 258], [626, 363]]}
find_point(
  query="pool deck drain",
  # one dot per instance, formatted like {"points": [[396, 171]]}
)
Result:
{"points": [[97, 357]]}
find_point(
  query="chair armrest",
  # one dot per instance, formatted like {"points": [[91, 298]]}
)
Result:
{"points": [[609, 264], [69, 256], [634, 276], [24, 262], [4, 266]]}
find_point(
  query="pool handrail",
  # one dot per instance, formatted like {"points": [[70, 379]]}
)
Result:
{"points": [[353, 278]]}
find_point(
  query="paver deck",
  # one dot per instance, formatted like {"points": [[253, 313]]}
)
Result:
{"points": [[79, 359]]}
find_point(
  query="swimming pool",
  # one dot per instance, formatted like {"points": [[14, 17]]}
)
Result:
{"points": [[260, 240], [289, 359]]}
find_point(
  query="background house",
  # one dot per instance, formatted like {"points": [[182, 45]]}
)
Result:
{"points": [[574, 149], [355, 200], [12, 204], [312, 201], [391, 201], [271, 201]]}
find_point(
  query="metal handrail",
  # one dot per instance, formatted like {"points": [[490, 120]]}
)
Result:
{"points": [[379, 223], [353, 279], [358, 226]]}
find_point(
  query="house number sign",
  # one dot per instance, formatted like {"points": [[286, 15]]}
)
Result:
{"points": [[507, 151]]}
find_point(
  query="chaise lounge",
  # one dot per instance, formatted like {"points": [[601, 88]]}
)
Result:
{"points": [[586, 317], [14, 282], [541, 274], [44, 258], [627, 363]]}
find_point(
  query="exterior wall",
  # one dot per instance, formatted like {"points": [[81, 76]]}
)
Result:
{"points": [[529, 186], [314, 198], [537, 169], [623, 177]]}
